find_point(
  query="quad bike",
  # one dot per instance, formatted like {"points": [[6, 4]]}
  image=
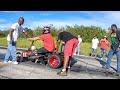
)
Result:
{"points": [[54, 60]]}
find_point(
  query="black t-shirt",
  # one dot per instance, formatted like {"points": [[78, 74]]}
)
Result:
{"points": [[115, 40], [65, 36]]}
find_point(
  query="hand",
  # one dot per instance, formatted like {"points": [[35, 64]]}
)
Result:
{"points": [[30, 39], [55, 51], [118, 49]]}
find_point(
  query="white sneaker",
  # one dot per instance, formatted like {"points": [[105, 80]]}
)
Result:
{"points": [[9, 61], [5, 62], [15, 62]]}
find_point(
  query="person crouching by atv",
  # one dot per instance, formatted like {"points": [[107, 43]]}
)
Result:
{"points": [[48, 41], [71, 43]]}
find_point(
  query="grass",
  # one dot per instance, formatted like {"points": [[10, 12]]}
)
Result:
{"points": [[25, 43]]}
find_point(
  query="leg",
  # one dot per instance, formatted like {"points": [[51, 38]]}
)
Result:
{"points": [[78, 49], [61, 49], [109, 58], [118, 61], [101, 53], [13, 51], [7, 55]]}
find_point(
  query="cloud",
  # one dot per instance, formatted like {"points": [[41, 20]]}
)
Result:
{"points": [[12, 11], [45, 14], [102, 19], [5, 26]]}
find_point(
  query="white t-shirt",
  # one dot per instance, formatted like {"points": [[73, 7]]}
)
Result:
{"points": [[80, 40], [95, 43], [17, 30]]}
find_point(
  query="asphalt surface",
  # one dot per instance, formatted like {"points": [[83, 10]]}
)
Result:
{"points": [[83, 67]]}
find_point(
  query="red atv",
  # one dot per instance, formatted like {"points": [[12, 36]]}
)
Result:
{"points": [[53, 60]]}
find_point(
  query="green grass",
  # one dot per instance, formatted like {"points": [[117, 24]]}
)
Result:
{"points": [[25, 43]]}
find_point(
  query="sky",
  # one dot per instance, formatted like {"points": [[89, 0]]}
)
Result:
{"points": [[33, 19]]}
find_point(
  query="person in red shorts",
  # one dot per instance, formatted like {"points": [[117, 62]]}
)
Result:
{"points": [[48, 41], [71, 43], [104, 47]]}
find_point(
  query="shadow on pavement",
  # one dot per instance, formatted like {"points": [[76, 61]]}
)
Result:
{"points": [[103, 63]]}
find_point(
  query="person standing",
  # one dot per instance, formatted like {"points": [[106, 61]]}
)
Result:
{"points": [[95, 43], [114, 49], [104, 47], [12, 37], [77, 51]]}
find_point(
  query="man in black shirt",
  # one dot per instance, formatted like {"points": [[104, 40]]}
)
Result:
{"points": [[115, 47], [71, 43]]}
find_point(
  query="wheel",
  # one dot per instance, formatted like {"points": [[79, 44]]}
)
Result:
{"points": [[54, 61], [19, 57]]}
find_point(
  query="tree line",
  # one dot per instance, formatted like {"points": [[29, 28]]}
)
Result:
{"points": [[86, 32]]}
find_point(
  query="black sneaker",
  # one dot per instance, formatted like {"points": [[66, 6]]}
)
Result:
{"points": [[62, 73]]}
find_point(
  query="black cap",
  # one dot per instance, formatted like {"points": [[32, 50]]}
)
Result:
{"points": [[114, 25]]}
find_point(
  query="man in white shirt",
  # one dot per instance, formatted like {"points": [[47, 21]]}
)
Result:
{"points": [[77, 51], [95, 43], [12, 37]]}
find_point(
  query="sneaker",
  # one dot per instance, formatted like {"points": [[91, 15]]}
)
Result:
{"points": [[15, 62], [5, 61], [101, 58], [105, 67], [62, 73], [9, 61]]}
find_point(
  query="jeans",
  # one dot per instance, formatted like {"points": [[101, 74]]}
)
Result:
{"points": [[94, 50], [103, 53], [110, 55], [77, 50], [43, 50], [11, 51]]}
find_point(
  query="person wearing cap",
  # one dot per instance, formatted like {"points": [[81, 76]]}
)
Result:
{"points": [[12, 38], [104, 47], [114, 48], [71, 43], [48, 41]]}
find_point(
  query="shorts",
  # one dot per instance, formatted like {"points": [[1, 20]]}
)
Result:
{"points": [[70, 47]]}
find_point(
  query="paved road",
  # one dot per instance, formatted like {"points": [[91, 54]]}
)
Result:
{"points": [[83, 68]]}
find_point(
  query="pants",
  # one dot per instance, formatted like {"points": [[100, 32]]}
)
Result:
{"points": [[43, 50], [11, 51], [70, 47], [77, 50], [103, 53], [110, 55], [94, 50]]}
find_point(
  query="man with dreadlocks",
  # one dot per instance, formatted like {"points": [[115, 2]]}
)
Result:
{"points": [[115, 48]]}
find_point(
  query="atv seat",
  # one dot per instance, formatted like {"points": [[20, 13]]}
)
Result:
{"points": [[43, 53]]}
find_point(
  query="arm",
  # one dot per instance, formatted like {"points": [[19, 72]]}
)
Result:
{"points": [[34, 38], [11, 35], [26, 34], [57, 45]]}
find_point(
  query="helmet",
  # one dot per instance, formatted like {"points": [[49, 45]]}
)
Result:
{"points": [[46, 29]]}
